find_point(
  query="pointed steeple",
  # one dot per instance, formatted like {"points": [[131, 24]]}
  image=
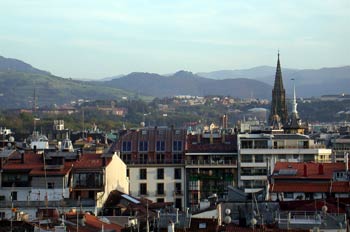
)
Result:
{"points": [[278, 76], [278, 103], [294, 124], [294, 106]]}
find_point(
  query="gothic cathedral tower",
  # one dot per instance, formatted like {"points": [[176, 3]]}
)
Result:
{"points": [[278, 104]]}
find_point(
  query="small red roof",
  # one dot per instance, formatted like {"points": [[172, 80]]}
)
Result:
{"points": [[307, 170], [90, 161], [335, 187], [298, 187]]}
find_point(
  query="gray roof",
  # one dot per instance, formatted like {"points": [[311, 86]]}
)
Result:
{"points": [[290, 136], [6, 153]]}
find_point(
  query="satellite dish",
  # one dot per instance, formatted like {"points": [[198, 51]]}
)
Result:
{"points": [[227, 220], [253, 221], [11, 139], [227, 211], [324, 209]]}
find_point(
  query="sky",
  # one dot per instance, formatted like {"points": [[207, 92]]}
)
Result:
{"points": [[93, 39]]}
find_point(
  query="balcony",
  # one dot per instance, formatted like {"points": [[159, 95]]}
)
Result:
{"points": [[88, 186], [160, 193], [143, 193], [253, 164], [153, 162], [16, 184], [211, 163], [37, 204], [178, 193], [253, 177]]}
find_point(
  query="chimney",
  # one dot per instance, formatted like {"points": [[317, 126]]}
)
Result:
{"points": [[347, 162], [223, 136], [320, 169], [22, 157], [305, 170]]}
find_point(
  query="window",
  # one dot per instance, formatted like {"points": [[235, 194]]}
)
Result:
{"points": [[126, 158], [128, 172], [288, 195], [143, 189], [247, 158], [160, 200], [126, 146], [160, 158], [259, 158], [143, 158], [143, 146], [178, 203], [178, 188], [193, 185], [160, 188], [160, 146], [143, 174], [160, 173], [50, 185], [177, 173], [177, 158], [177, 145], [14, 196]]}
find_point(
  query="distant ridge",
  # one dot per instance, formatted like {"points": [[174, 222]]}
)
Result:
{"points": [[18, 80], [187, 83], [14, 65], [309, 82]]}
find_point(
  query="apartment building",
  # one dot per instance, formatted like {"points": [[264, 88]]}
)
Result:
{"points": [[57, 179], [258, 153], [155, 163], [211, 165]]}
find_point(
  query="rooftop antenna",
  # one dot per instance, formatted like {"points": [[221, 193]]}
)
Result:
{"points": [[35, 100]]}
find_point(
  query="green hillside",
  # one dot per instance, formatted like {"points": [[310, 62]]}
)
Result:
{"points": [[17, 90]]}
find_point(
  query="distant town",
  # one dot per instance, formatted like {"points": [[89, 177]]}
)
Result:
{"points": [[181, 163]]}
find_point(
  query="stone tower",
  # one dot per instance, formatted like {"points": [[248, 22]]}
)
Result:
{"points": [[278, 104]]}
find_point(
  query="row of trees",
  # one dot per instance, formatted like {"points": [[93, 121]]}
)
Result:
{"points": [[148, 112]]}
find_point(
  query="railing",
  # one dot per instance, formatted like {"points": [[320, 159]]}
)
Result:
{"points": [[253, 174], [212, 162], [60, 203], [160, 193], [16, 184], [147, 193], [137, 162], [178, 193], [319, 146], [88, 186]]}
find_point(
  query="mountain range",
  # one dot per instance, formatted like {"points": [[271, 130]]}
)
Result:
{"points": [[19, 79], [187, 83], [308, 82]]}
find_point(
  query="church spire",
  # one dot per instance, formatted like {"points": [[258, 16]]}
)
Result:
{"points": [[278, 76], [294, 124], [294, 106], [278, 103]]}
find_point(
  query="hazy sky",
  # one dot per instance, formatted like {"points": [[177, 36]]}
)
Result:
{"points": [[100, 38]]}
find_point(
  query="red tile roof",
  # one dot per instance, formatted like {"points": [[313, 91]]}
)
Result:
{"points": [[335, 187], [298, 187], [92, 223], [312, 170], [90, 161], [31, 161]]}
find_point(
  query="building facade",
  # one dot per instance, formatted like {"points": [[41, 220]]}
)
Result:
{"points": [[211, 165], [155, 162]]}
